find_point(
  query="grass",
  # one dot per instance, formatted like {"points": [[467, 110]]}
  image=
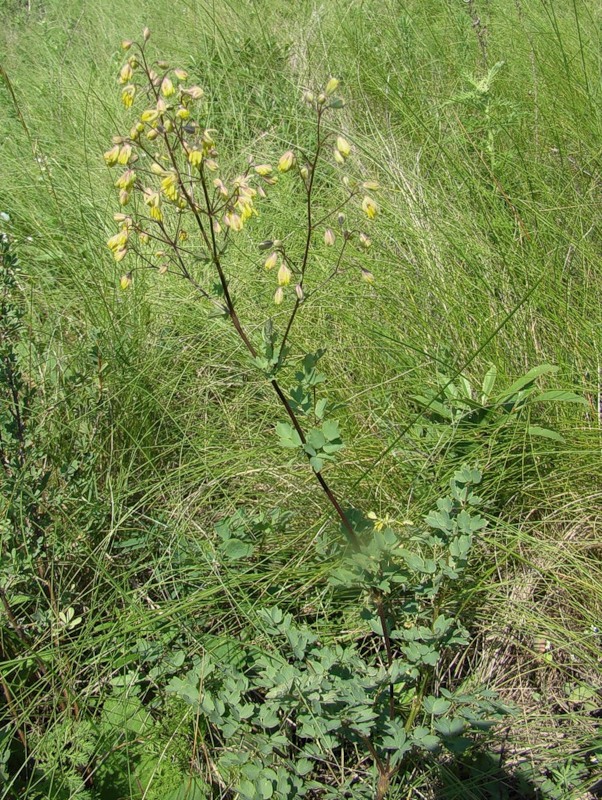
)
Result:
{"points": [[486, 252]]}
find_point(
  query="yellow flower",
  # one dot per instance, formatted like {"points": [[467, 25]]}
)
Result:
{"points": [[112, 155], [152, 134], [338, 157], [127, 95], [150, 115], [195, 157], [124, 197], [367, 276], [331, 86], [180, 74], [157, 169], [271, 260], [167, 87], [245, 206], [126, 180], [234, 222], [156, 214], [126, 281], [286, 161], [124, 154], [119, 254], [369, 207], [118, 241], [169, 186], [183, 113], [343, 146], [126, 44], [278, 295], [365, 241], [263, 170], [284, 275]]}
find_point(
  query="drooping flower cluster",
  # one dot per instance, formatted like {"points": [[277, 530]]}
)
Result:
{"points": [[171, 175], [170, 162]]}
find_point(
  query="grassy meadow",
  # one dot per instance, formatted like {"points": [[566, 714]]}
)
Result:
{"points": [[145, 424]]}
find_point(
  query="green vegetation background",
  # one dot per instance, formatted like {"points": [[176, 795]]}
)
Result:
{"points": [[488, 252]]}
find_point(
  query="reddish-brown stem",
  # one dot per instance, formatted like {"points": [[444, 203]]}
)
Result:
{"points": [[380, 610]]}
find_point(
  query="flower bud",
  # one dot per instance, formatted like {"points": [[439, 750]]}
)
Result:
{"points": [[284, 275], [321, 99], [221, 187], [286, 161], [195, 92], [331, 86], [146, 34], [167, 87], [329, 237], [183, 113], [211, 164], [124, 197], [371, 186], [266, 244], [338, 157], [195, 157], [304, 172], [308, 97], [299, 292], [163, 269], [157, 169], [343, 146], [126, 281], [271, 260], [152, 134], [125, 74], [341, 219], [278, 296], [365, 241], [126, 44], [180, 74], [367, 276]]}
